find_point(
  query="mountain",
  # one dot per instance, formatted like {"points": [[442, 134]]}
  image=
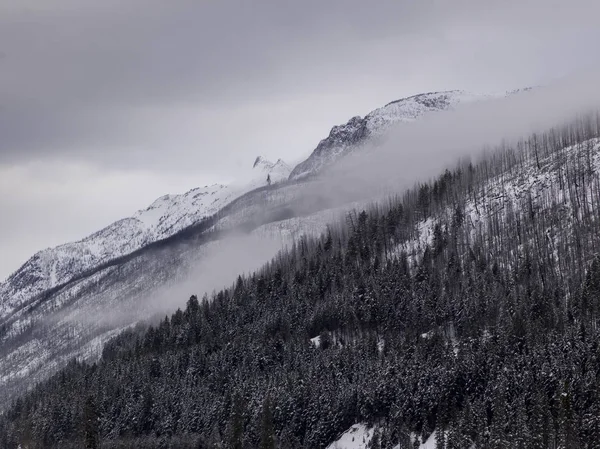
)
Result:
{"points": [[172, 213], [344, 139], [166, 216], [462, 313], [278, 171], [76, 318], [68, 301]]}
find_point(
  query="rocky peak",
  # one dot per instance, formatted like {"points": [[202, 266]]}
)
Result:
{"points": [[277, 171], [343, 139]]}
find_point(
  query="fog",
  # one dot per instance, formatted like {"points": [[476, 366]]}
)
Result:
{"points": [[410, 152], [420, 150], [413, 152], [218, 267], [212, 267], [168, 96]]}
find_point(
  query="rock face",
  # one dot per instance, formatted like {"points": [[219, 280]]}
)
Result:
{"points": [[344, 139]]}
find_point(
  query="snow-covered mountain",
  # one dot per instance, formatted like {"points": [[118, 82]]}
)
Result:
{"points": [[166, 216], [170, 214], [344, 139], [67, 301], [278, 171]]}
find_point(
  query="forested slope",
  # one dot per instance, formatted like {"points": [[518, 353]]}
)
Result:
{"points": [[467, 305]]}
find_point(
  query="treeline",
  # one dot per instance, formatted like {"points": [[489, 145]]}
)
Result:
{"points": [[486, 331]]}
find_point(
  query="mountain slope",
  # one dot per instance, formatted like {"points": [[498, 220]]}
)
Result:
{"points": [[344, 139], [54, 307], [163, 218], [484, 333], [75, 318], [172, 213]]}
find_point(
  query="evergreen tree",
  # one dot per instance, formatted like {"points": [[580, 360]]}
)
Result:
{"points": [[90, 424], [267, 432], [237, 423]]}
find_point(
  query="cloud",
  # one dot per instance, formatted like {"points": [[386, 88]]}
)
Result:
{"points": [[112, 81], [194, 91], [422, 150], [411, 152], [213, 267]]}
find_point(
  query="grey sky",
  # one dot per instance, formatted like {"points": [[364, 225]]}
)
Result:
{"points": [[106, 105]]}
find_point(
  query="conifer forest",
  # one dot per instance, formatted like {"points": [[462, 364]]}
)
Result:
{"points": [[468, 306]]}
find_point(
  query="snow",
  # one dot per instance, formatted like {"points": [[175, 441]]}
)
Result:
{"points": [[174, 212], [316, 341], [166, 216], [356, 437], [428, 444], [343, 139], [412, 108], [380, 344], [359, 436], [516, 190]]}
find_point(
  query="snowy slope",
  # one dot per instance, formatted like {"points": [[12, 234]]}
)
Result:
{"points": [[359, 436], [344, 139], [42, 327], [537, 187], [172, 213], [163, 218], [356, 437]]}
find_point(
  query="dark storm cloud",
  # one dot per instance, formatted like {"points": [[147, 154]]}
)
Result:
{"points": [[110, 81]]}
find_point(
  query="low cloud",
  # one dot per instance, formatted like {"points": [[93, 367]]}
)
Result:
{"points": [[421, 150]]}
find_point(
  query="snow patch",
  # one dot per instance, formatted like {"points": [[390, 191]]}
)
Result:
{"points": [[356, 437], [316, 341]]}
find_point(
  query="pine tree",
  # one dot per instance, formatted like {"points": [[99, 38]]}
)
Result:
{"points": [[237, 423], [91, 439], [267, 432]]}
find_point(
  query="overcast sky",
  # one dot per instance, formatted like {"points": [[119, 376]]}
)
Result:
{"points": [[106, 105]]}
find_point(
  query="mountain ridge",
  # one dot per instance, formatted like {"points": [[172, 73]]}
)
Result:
{"points": [[167, 215], [171, 213], [124, 279], [345, 138]]}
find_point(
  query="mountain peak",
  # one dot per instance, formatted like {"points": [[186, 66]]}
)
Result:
{"points": [[277, 171], [259, 160], [426, 97], [343, 139]]}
